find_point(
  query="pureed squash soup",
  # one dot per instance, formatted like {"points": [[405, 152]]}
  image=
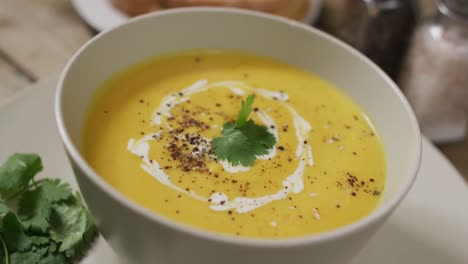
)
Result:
{"points": [[167, 134]]}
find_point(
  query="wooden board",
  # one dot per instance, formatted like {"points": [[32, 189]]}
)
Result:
{"points": [[40, 36], [11, 80]]}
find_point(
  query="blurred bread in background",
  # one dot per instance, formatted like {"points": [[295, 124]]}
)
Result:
{"points": [[136, 7], [294, 9]]}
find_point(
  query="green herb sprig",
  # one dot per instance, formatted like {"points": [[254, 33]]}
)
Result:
{"points": [[50, 225], [243, 141]]}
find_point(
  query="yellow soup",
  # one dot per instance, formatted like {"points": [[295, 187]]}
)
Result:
{"points": [[149, 134]]}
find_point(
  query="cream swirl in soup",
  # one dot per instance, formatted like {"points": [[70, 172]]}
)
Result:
{"points": [[150, 130], [220, 201]]}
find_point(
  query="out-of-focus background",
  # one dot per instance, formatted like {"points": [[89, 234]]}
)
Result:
{"points": [[38, 37]]}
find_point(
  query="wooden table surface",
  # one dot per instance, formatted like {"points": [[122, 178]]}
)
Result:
{"points": [[38, 37]]}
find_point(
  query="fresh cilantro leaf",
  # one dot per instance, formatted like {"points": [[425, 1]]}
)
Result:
{"points": [[4, 255], [241, 143], [232, 146], [17, 172], [39, 240], [34, 210], [56, 191], [53, 247], [241, 146], [54, 259], [35, 206], [72, 227], [28, 257], [55, 226], [245, 111], [260, 140], [88, 237], [228, 128], [68, 225], [15, 238], [3, 208]]}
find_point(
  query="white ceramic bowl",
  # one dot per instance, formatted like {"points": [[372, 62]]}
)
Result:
{"points": [[141, 236]]}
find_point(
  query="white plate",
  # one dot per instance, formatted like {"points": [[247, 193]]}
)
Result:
{"points": [[430, 226], [102, 15]]}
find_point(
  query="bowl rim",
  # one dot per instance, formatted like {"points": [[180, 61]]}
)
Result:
{"points": [[377, 215]]}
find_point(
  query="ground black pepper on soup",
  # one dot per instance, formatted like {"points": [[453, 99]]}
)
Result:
{"points": [[237, 144]]}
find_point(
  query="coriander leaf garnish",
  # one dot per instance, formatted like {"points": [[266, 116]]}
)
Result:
{"points": [[53, 259], [34, 206], [3, 208], [5, 251], [246, 109], [17, 172], [72, 226], [28, 257], [15, 238], [232, 146], [51, 225], [243, 141], [40, 240], [34, 210]]}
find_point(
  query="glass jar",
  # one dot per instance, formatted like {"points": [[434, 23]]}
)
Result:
{"points": [[435, 74], [378, 28]]}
